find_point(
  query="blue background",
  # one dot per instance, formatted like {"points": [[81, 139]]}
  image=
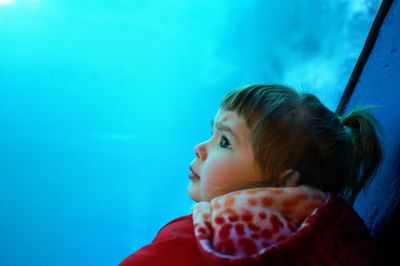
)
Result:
{"points": [[102, 102]]}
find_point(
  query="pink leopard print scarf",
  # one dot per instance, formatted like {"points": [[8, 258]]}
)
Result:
{"points": [[247, 223]]}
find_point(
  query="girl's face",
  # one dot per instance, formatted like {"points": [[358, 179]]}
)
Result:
{"points": [[225, 162]]}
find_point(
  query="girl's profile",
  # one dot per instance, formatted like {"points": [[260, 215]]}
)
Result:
{"points": [[274, 185]]}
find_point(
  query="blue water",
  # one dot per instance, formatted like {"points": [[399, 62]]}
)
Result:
{"points": [[101, 103]]}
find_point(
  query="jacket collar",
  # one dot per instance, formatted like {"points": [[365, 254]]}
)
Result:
{"points": [[247, 223]]}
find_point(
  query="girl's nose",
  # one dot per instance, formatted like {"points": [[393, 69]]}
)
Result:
{"points": [[201, 151]]}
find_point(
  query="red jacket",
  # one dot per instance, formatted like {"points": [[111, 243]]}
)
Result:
{"points": [[335, 235]]}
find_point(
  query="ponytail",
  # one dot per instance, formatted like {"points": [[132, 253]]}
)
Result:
{"points": [[367, 153]]}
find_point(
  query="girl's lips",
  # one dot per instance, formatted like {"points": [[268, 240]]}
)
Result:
{"points": [[193, 176]]}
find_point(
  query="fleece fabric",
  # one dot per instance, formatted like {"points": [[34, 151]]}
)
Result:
{"points": [[263, 226]]}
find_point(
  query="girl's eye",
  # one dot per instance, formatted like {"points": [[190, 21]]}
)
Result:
{"points": [[224, 143]]}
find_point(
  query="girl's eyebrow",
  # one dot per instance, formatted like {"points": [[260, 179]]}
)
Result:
{"points": [[222, 127]]}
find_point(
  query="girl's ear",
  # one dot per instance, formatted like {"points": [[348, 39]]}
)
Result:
{"points": [[289, 178]]}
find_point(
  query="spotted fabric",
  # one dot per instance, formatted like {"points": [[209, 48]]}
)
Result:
{"points": [[247, 223]]}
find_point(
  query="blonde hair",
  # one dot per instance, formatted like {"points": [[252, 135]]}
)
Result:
{"points": [[296, 131]]}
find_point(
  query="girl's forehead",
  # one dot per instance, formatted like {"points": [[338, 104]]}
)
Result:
{"points": [[231, 121]]}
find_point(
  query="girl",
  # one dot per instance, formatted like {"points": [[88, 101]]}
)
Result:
{"points": [[270, 184]]}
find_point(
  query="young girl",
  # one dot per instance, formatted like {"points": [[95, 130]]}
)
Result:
{"points": [[270, 184]]}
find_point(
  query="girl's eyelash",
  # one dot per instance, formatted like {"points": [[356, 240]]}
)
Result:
{"points": [[224, 143]]}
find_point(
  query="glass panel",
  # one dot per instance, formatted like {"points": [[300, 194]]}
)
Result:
{"points": [[101, 103], [312, 45]]}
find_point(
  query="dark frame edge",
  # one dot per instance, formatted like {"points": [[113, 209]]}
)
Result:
{"points": [[363, 58]]}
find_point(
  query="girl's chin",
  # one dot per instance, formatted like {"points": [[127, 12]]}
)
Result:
{"points": [[193, 191]]}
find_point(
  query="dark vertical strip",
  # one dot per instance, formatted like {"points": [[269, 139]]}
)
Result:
{"points": [[362, 59]]}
